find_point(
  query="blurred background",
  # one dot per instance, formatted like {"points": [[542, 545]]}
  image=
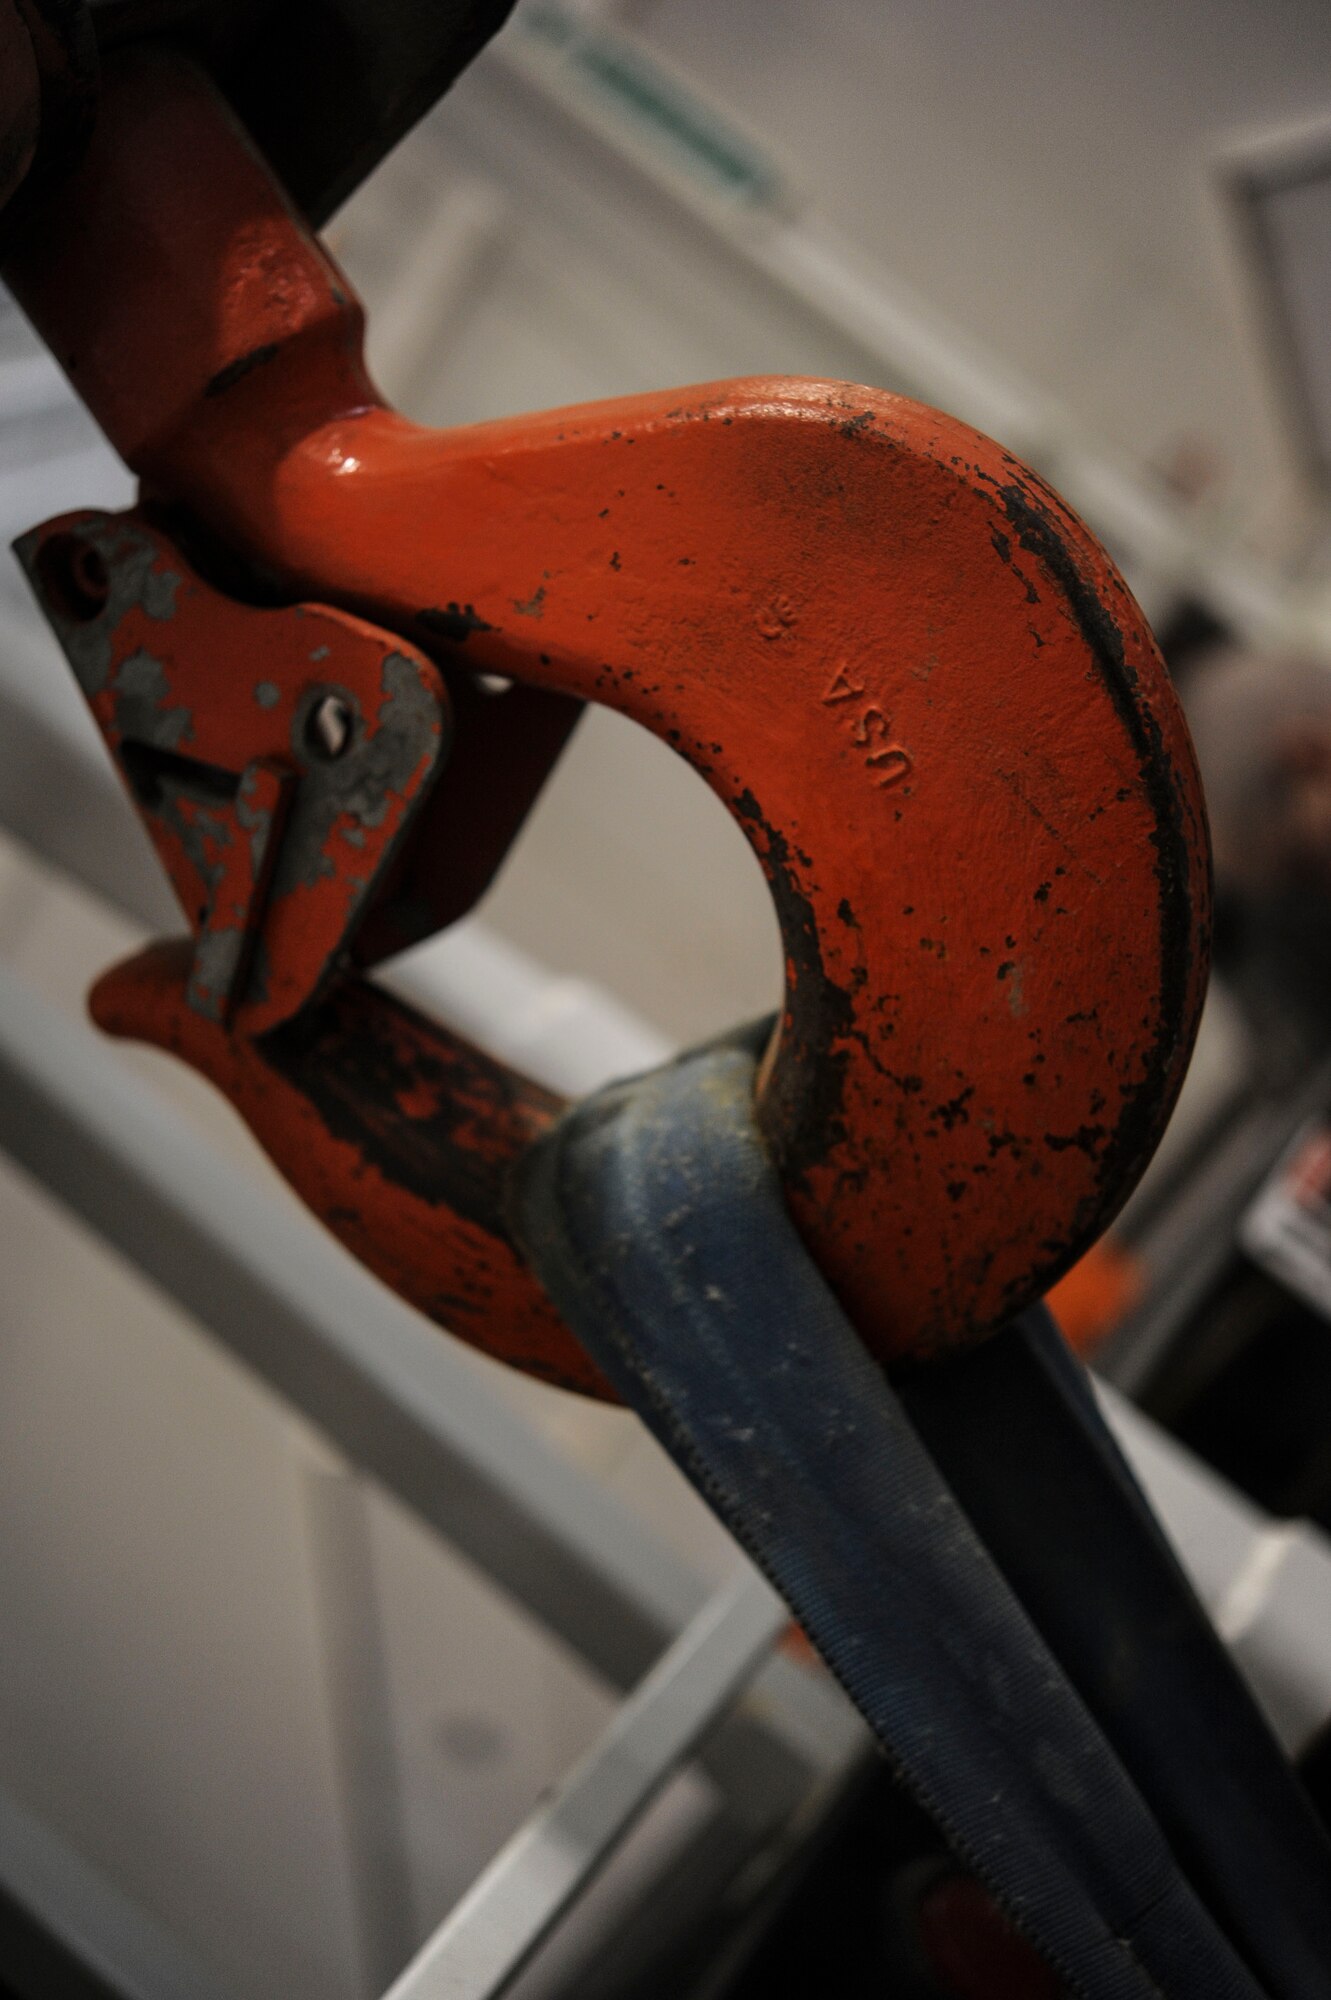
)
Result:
{"points": [[1102, 234]]}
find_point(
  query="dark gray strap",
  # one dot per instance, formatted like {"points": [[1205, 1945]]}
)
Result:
{"points": [[1015, 1431]]}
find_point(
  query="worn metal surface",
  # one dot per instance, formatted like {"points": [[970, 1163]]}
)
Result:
{"points": [[907, 668], [275, 833]]}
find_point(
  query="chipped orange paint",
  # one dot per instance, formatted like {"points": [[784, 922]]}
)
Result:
{"points": [[907, 668], [411, 1182]]}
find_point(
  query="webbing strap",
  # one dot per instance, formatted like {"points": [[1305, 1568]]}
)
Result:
{"points": [[1014, 1428], [655, 1220]]}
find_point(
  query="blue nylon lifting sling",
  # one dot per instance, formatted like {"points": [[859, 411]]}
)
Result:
{"points": [[655, 1220]]}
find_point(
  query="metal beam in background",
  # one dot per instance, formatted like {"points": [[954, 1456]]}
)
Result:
{"points": [[493, 1931], [358, 1684], [67, 1934]]}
